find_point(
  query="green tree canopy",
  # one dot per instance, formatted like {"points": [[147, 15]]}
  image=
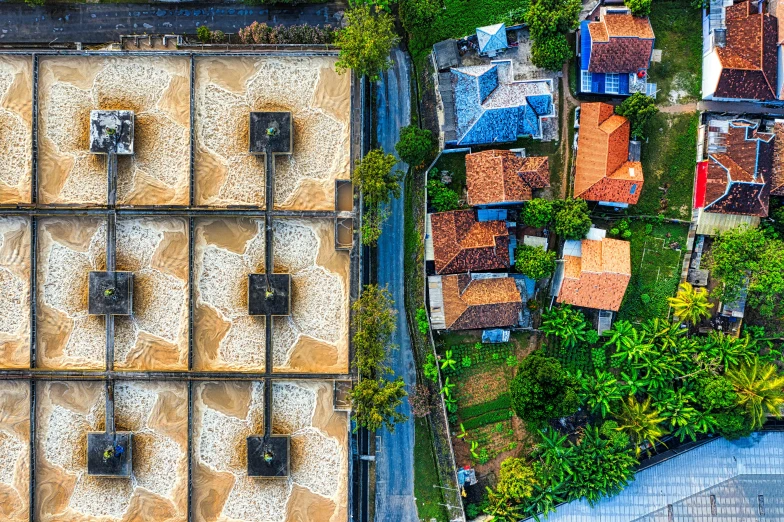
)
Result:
{"points": [[572, 219], [375, 178], [551, 51], [715, 392], [641, 421], [535, 262], [516, 479], [366, 41], [415, 145], [639, 7], [550, 17], [374, 322], [416, 14], [566, 324], [541, 390], [375, 401], [441, 197], [690, 304], [602, 466], [760, 390], [538, 213], [638, 109]]}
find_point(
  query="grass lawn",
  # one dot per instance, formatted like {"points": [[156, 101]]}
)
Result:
{"points": [[454, 163], [460, 18], [533, 147], [669, 159], [656, 269], [428, 498], [678, 30]]}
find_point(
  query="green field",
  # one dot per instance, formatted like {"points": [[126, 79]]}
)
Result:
{"points": [[429, 500]]}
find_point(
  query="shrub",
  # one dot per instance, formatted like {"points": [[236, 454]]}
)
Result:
{"points": [[365, 42], [466, 361], [375, 177], [542, 390], [639, 7], [535, 262], [645, 298], [551, 52], [511, 361], [203, 34], [626, 234], [430, 368], [418, 13], [572, 219], [639, 109], [422, 324], [648, 229], [614, 231], [599, 357], [261, 33], [415, 145], [516, 479], [442, 198], [715, 393], [537, 213], [734, 424]]}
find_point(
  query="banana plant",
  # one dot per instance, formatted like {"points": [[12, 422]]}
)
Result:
{"points": [[448, 362], [474, 447], [446, 391], [462, 433], [451, 404]]}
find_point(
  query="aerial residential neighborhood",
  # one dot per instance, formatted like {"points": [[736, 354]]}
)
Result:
{"points": [[394, 261]]}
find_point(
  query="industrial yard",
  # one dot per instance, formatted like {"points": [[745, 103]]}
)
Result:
{"points": [[230, 276]]}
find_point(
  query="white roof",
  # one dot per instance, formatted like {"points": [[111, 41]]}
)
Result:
{"points": [[491, 37]]}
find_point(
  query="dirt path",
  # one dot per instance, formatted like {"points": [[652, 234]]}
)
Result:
{"points": [[677, 109], [569, 104]]}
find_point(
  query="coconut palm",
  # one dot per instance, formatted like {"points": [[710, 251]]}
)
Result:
{"points": [[566, 324], [760, 390], [690, 304], [641, 422]]}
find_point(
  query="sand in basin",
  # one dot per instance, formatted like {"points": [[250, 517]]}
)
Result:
{"points": [[156, 89], [226, 413], [14, 292], [156, 412], [16, 114], [14, 451], [229, 88], [225, 337], [155, 337], [314, 337], [68, 249]]}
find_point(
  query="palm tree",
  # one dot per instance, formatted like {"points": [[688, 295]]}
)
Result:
{"points": [[760, 390], [641, 422], [564, 323], [448, 362], [690, 304]]}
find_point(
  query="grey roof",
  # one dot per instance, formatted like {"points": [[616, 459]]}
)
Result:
{"points": [[445, 53], [736, 473]]}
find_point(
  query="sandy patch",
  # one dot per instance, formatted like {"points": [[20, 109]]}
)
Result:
{"points": [[155, 337], [14, 451], [67, 337], [14, 292], [228, 89], [155, 88], [16, 112], [155, 412], [223, 492]]}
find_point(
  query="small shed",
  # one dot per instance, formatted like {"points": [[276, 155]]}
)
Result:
{"points": [[495, 335], [445, 55], [492, 39], [698, 277]]}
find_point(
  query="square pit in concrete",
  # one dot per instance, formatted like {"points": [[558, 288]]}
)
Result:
{"points": [[269, 294], [15, 451], [268, 458], [15, 292], [270, 132], [111, 132], [111, 293], [16, 116], [109, 454]]}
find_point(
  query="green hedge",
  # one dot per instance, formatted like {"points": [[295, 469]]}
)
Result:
{"points": [[491, 417], [502, 402]]}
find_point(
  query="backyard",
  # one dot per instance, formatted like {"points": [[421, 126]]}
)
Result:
{"points": [[678, 29], [668, 162], [657, 253]]}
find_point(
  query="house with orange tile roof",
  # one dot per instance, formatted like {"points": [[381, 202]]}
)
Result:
{"points": [[741, 54], [739, 175], [461, 243], [608, 168], [502, 177], [594, 273], [615, 53], [469, 302]]}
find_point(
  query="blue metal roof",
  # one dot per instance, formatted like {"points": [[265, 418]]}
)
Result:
{"points": [[735, 472], [585, 45], [491, 38]]}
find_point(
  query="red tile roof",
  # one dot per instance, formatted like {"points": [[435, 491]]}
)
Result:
{"points": [[738, 180], [599, 278], [480, 303], [501, 176], [603, 172], [777, 177], [749, 58], [463, 244], [621, 43]]}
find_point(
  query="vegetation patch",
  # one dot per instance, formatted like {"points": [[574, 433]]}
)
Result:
{"points": [[657, 251], [428, 498], [678, 29], [668, 161]]}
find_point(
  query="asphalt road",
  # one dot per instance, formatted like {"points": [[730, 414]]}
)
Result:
{"points": [[395, 454], [99, 23]]}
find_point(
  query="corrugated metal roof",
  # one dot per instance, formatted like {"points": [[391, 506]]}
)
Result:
{"points": [[734, 472], [711, 223]]}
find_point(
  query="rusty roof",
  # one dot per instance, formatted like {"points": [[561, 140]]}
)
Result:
{"points": [[777, 175], [603, 172], [620, 43], [480, 303], [463, 244], [749, 58], [739, 180], [501, 176], [599, 278]]}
